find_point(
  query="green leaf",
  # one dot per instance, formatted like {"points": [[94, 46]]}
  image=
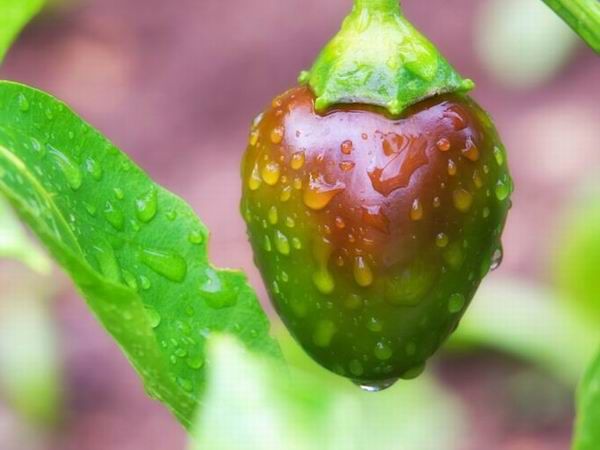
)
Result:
{"points": [[583, 16], [15, 244], [253, 404], [14, 15], [136, 252], [30, 375], [587, 431], [527, 321], [578, 255]]}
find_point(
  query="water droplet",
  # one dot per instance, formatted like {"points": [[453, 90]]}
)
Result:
{"points": [[441, 240], [49, 114], [145, 282], [270, 173], [114, 216], [404, 160], [146, 206], [297, 160], [471, 152], [170, 265], [374, 325], [253, 139], [254, 181], [297, 183], [374, 216], [376, 385], [319, 193], [322, 277], [486, 212], [119, 195], [416, 210], [153, 316], [456, 303], [185, 384], [37, 146], [275, 287], [68, 168], [477, 180], [130, 280], [443, 145], [282, 243], [196, 237], [216, 290], [91, 209], [268, 246], [362, 272], [346, 166], [257, 120], [272, 215], [296, 243], [463, 199], [323, 334], [107, 261], [382, 351], [498, 154], [340, 223], [286, 194], [502, 190], [356, 368], [195, 362], [454, 256], [93, 168], [452, 169], [347, 147], [497, 258], [437, 202], [23, 103], [289, 222], [277, 135]]}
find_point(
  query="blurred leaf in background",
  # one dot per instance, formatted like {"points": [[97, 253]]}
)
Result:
{"points": [[30, 374], [14, 15], [527, 320], [522, 43], [254, 405], [16, 244], [577, 255], [587, 430]]}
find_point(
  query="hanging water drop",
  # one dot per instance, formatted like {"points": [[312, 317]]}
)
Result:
{"points": [[146, 206], [114, 216], [68, 168], [376, 385]]}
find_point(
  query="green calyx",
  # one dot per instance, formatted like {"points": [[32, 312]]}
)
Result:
{"points": [[378, 58]]}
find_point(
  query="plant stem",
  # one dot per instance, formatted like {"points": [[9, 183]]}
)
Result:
{"points": [[583, 16], [382, 5]]}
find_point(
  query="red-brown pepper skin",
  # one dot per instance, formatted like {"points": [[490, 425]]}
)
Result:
{"points": [[373, 233]]}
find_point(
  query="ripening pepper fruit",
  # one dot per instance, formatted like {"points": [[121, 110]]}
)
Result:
{"points": [[375, 195]]}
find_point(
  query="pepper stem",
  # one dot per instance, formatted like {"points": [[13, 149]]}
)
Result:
{"points": [[378, 58], [383, 5]]}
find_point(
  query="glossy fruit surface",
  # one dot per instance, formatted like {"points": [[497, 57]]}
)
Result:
{"points": [[373, 233]]}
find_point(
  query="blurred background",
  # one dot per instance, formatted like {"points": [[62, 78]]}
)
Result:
{"points": [[175, 85]]}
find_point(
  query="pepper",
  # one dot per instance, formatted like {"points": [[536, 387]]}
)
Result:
{"points": [[375, 194]]}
